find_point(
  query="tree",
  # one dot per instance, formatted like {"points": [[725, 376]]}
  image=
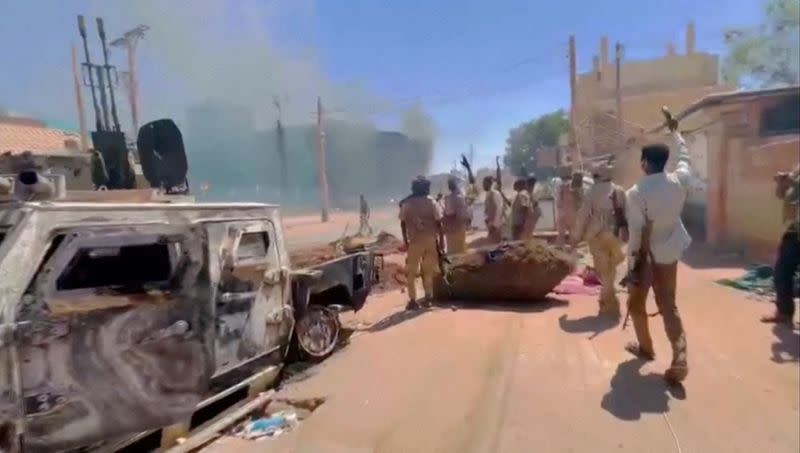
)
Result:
{"points": [[526, 139], [767, 55]]}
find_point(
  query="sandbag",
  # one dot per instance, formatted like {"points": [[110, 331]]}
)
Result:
{"points": [[518, 271]]}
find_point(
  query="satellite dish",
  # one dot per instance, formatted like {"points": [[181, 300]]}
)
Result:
{"points": [[162, 156]]}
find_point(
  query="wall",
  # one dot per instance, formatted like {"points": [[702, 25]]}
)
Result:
{"points": [[743, 212]]}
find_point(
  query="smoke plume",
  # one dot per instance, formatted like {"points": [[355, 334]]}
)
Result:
{"points": [[210, 61]]}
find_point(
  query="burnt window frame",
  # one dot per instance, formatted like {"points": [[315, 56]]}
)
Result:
{"points": [[768, 115], [263, 228], [54, 266]]}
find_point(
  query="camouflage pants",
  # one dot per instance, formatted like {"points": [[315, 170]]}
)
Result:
{"points": [[421, 258], [456, 240], [607, 254], [565, 223]]}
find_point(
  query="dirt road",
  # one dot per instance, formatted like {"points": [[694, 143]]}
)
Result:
{"points": [[549, 377], [305, 231]]}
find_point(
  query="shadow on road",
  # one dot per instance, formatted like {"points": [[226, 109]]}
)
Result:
{"points": [[702, 257], [589, 324], [393, 320], [787, 348], [510, 306], [633, 393]]}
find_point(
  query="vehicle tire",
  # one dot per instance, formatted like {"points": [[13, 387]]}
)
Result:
{"points": [[317, 333]]}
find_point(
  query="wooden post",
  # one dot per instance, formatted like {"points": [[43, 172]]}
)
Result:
{"points": [[572, 87], [79, 101], [133, 86], [323, 178], [618, 93]]}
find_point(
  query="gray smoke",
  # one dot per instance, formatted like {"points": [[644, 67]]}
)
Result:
{"points": [[219, 73]]}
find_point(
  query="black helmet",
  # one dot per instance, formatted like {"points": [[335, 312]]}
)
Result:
{"points": [[421, 186]]}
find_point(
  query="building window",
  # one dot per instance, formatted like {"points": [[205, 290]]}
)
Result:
{"points": [[127, 269], [781, 119]]}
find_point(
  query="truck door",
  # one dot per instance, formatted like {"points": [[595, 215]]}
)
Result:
{"points": [[253, 313], [118, 334]]}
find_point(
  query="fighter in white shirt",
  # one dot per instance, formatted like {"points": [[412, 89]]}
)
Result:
{"points": [[656, 202]]}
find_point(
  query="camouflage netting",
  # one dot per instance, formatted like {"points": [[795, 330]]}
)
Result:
{"points": [[514, 271]]}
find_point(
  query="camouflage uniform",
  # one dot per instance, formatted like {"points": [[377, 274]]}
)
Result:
{"points": [[595, 223], [521, 213], [788, 261], [493, 210], [568, 199], [421, 216], [456, 219]]}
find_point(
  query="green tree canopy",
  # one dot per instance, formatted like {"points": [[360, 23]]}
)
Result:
{"points": [[524, 140], [767, 55]]}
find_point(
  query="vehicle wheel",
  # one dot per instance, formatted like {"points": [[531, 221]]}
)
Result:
{"points": [[317, 332]]}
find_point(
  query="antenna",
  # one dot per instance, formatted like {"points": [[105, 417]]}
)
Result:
{"points": [[88, 65], [102, 32]]}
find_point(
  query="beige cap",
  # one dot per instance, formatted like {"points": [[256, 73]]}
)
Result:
{"points": [[603, 171]]}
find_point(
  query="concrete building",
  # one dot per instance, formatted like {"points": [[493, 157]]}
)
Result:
{"points": [[745, 138], [674, 79]]}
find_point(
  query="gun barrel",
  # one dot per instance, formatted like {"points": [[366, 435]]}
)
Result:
{"points": [[102, 32], [82, 30]]}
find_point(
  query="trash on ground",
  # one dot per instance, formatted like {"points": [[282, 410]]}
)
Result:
{"points": [[278, 417], [758, 280], [272, 426]]}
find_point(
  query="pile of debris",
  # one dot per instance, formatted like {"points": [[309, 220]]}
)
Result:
{"points": [[516, 271], [392, 275], [313, 256]]}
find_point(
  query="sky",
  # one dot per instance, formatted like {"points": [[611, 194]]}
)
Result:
{"points": [[478, 67]]}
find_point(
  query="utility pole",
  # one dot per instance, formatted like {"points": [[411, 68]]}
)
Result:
{"points": [[281, 145], [573, 144], [618, 93], [79, 100], [129, 40], [323, 177]]}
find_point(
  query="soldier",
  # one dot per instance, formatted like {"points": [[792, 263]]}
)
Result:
{"points": [[597, 224], [787, 189], [521, 210], [536, 211], [456, 218], [421, 225], [493, 210], [364, 228], [657, 241], [566, 204]]}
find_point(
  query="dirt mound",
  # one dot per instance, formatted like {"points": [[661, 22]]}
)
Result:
{"points": [[313, 256], [514, 271], [387, 243]]}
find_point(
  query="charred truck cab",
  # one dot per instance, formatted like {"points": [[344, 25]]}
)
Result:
{"points": [[118, 318], [126, 310]]}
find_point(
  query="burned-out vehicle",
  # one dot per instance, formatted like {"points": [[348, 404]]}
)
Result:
{"points": [[120, 317]]}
